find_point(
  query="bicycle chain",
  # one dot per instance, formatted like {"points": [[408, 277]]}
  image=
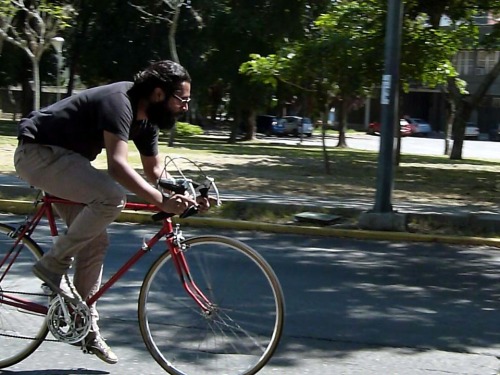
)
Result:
{"points": [[27, 338], [24, 337], [38, 295]]}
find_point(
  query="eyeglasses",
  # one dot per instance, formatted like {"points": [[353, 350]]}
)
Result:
{"points": [[182, 100]]}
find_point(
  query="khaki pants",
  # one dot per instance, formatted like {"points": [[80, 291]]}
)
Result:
{"points": [[69, 175]]}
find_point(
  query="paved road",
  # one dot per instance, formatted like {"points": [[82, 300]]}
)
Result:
{"points": [[353, 307], [410, 145]]}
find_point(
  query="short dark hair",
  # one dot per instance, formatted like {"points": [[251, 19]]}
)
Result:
{"points": [[165, 74]]}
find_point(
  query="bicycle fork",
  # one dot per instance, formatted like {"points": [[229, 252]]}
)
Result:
{"points": [[177, 249]]}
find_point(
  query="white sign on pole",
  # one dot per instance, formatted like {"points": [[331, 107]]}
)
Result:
{"points": [[386, 89]]}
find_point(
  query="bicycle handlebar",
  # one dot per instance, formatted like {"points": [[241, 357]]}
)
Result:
{"points": [[185, 185]]}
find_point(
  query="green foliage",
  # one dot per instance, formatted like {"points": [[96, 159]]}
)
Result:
{"points": [[184, 129], [340, 57], [343, 56], [7, 9], [264, 69], [427, 53], [62, 13]]}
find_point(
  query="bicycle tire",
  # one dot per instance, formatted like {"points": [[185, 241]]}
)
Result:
{"points": [[240, 337], [21, 331]]}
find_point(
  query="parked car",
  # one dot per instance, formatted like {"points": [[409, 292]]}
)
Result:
{"points": [[404, 127], [421, 127], [267, 124], [495, 133], [471, 131], [296, 125]]}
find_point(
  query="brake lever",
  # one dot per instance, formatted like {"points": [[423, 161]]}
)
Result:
{"points": [[193, 210]]}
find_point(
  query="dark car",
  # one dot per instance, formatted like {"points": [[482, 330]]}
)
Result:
{"points": [[266, 124]]}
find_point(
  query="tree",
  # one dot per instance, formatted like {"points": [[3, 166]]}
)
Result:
{"points": [[30, 25], [338, 63], [463, 103], [232, 31], [168, 11], [462, 13]]}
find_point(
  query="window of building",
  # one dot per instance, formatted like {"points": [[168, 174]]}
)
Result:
{"points": [[486, 61], [464, 62]]}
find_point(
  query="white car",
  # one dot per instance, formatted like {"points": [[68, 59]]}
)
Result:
{"points": [[421, 127], [296, 125], [471, 131]]}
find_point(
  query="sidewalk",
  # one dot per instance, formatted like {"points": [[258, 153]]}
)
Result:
{"points": [[14, 191]]}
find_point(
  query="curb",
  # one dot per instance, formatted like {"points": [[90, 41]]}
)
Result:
{"points": [[21, 207]]}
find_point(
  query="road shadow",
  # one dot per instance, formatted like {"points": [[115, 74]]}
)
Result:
{"points": [[345, 296]]}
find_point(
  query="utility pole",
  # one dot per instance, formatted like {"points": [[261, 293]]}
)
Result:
{"points": [[382, 217], [389, 106]]}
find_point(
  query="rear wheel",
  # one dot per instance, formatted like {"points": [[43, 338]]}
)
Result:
{"points": [[21, 331], [242, 331]]}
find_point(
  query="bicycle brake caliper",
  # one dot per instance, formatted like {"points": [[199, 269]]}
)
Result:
{"points": [[178, 238]]}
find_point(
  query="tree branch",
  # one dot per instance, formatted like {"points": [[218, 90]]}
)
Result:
{"points": [[484, 86]]}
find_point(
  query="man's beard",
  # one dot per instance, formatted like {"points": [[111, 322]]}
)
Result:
{"points": [[160, 116]]}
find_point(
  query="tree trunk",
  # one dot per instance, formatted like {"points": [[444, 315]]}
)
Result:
{"points": [[463, 112], [171, 35], [249, 118], [36, 80], [238, 118], [175, 57], [449, 125], [342, 124], [80, 38], [465, 106], [326, 158]]}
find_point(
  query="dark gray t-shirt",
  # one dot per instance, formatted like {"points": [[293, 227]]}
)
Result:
{"points": [[77, 122]]}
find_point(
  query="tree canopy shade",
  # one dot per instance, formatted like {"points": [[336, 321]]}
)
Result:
{"points": [[235, 29], [338, 63]]}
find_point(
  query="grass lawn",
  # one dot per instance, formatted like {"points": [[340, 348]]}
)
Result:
{"points": [[299, 170]]}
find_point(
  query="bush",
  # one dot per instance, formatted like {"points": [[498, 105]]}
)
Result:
{"points": [[185, 129]]}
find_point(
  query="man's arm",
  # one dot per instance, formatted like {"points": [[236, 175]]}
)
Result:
{"points": [[123, 173], [153, 168]]}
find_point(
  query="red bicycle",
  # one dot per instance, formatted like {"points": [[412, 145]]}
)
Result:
{"points": [[208, 304]]}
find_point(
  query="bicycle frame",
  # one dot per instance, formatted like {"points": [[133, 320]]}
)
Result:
{"points": [[173, 240]]}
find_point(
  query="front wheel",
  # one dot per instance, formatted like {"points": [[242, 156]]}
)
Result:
{"points": [[21, 331], [242, 332]]}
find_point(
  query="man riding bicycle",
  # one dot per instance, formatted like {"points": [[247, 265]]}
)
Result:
{"points": [[56, 147]]}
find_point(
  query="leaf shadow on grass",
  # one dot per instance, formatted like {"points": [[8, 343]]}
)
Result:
{"points": [[353, 172]]}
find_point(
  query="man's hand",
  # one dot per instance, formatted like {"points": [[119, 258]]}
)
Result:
{"points": [[177, 204], [203, 203]]}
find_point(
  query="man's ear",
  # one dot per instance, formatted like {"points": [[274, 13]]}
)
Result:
{"points": [[158, 94]]}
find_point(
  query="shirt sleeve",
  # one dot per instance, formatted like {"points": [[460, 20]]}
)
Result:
{"points": [[146, 140], [115, 115]]}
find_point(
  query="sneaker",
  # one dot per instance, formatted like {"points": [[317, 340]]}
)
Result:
{"points": [[49, 278], [95, 344]]}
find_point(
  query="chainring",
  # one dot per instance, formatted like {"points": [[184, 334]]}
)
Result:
{"points": [[68, 323]]}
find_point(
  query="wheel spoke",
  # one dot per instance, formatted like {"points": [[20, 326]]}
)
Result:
{"points": [[238, 336], [22, 330]]}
